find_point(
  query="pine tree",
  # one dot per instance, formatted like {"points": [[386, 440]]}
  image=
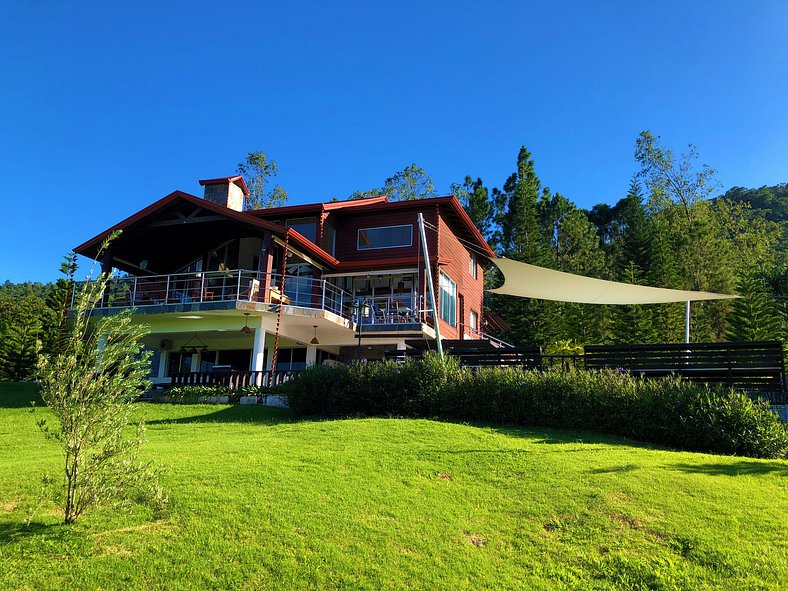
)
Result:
{"points": [[19, 350], [633, 324], [754, 316]]}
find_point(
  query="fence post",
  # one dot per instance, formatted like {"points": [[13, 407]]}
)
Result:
{"points": [[167, 291]]}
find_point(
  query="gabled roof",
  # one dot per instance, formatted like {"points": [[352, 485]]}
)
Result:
{"points": [[238, 180], [91, 247], [94, 243]]}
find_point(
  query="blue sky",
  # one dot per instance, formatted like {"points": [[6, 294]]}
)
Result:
{"points": [[108, 106]]}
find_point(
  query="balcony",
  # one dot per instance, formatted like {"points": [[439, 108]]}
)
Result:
{"points": [[223, 289]]}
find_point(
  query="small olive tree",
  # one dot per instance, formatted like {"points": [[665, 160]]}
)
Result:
{"points": [[89, 383]]}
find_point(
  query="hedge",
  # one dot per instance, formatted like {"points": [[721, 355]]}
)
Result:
{"points": [[668, 411]]}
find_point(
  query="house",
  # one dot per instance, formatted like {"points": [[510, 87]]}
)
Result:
{"points": [[290, 286]]}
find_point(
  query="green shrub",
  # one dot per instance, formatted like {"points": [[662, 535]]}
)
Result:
{"points": [[193, 394], [668, 411]]}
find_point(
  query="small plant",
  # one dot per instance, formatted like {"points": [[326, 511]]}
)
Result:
{"points": [[89, 383]]}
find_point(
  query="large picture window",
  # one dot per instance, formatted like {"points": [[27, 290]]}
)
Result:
{"points": [[448, 300], [385, 237]]}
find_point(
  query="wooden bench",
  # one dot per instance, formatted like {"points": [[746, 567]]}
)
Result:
{"points": [[757, 366]]}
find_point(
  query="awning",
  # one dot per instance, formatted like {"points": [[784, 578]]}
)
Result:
{"points": [[530, 281]]}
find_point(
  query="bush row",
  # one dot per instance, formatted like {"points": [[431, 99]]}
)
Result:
{"points": [[668, 411], [193, 394]]}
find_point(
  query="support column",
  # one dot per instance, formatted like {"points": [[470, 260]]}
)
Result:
{"points": [[311, 355], [164, 356], [401, 345], [262, 326], [258, 349], [687, 325]]}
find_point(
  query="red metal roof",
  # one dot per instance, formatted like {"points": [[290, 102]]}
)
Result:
{"points": [[238, 180], [170, 199], [288, 210]]}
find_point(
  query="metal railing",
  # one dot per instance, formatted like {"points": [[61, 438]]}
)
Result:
{"points": [[393, 309], [223, 286], [258, 287]]}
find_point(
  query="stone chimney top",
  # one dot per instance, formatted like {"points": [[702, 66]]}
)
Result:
{"points": [[228, 191]]}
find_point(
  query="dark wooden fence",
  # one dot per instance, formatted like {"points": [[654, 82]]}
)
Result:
{"points": [[755, 366]]}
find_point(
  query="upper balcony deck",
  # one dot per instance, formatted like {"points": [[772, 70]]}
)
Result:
{"points": [[178, 292]]}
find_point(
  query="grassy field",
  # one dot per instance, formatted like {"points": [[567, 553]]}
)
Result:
{"points": [[262, 502]]}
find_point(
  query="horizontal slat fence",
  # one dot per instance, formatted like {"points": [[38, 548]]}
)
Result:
{"points": [[757, 366]]}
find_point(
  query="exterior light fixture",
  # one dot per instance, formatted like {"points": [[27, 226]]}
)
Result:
{"points": [[314, 340], [246, 329], [193, 348]]}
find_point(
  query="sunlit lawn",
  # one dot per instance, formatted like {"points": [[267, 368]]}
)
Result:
{"points": [[260, 502]]}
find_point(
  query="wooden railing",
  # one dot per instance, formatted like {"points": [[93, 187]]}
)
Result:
{"points": [[234, 380]]}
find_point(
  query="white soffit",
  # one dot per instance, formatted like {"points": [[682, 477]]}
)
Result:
{"points": [[530, 281]]}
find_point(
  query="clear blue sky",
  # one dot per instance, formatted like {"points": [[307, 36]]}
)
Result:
{"points": [[108, 106]]}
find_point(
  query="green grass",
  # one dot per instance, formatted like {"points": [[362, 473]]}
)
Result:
{"points": [[261, 502]]}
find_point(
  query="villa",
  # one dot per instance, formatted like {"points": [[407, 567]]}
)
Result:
{"points": [[224, 289]]}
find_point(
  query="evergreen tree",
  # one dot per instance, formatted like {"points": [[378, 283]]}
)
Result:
{"points": [[518, 220], [633, 324], [475, 199], [755, 315], [19, 349]]}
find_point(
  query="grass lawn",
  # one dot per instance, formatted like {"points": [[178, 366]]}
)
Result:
{"points": [[261, 502]]}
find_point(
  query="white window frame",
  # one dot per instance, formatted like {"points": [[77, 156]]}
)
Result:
{"points": [[452, 322], [473, 265], [473, 321], [360, 230]]}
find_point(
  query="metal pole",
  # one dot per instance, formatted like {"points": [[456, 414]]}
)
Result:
{"points": [[687, 324], [430, 287]]}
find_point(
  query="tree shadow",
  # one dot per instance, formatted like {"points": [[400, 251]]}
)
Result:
{"points": [[737, 468], [614, 469], [19, 395], [256, 414], [14, 531]]}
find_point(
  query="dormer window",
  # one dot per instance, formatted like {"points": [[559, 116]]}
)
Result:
{"points": [[385, 237]]}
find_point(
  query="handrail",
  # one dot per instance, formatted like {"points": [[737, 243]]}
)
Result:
{"points": [[258, 287]]}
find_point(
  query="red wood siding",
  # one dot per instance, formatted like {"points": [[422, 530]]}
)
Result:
{"points": [[348, 225], [451, 249]]}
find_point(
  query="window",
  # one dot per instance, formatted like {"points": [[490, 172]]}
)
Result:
{"points": [[472, 265], [329, 240], [448, 299], [307, 227], [386, 237], [474, 322]]}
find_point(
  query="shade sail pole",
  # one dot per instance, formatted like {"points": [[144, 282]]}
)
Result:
{"points": [[430, 287], [687, 324]]}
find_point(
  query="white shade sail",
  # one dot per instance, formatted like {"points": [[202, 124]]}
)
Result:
{"points": [[530, 281]]}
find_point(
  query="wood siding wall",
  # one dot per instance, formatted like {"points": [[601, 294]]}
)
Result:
{"points": [[348, 225], [457, 269]]}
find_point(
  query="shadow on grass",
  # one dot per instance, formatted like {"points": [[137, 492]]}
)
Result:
{"points": [[257, 414], [614, 469], [19, 395], [11, 531], [736, 468]]}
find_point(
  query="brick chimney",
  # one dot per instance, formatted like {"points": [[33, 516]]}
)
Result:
{"points": [[228, 191]]}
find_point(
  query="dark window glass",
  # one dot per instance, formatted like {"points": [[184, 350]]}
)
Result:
{"points": [[386, 237]]}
